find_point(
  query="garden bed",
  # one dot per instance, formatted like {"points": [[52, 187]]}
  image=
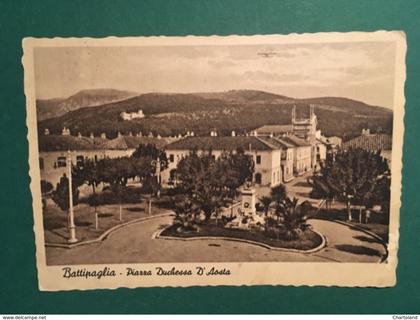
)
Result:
{"points": [[308, 239]]}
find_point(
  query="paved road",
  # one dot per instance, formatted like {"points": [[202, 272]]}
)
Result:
{"points": [[134, 244], [298, 187]]}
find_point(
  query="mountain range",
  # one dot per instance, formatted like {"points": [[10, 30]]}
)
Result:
{"points": [[51, 108], [176, 113]]}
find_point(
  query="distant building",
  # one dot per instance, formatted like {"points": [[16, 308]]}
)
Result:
{"points": [[372, 142], [53, 151], [287, 156], [274, 130], [64, 132], [266, 155], [321, 151], [311, 139], [132, 115], [336, 141], [302, 155]]}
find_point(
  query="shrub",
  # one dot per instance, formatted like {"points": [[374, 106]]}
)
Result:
{"points": [[187, 214], [130, 195]]}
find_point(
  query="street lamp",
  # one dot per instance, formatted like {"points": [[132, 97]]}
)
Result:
{"points": [[72, 227], [157, 163], [349, 197]]}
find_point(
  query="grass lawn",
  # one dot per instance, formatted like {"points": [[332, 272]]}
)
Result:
{"points": [[378, 223], [55, 220], [308, 239]]}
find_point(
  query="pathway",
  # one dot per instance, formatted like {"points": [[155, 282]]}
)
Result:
{"points": [[134, 244]]}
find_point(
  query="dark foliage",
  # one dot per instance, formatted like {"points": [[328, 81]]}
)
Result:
{"points": [[355, 176], [308, 239], [290, 221], [209, 181], [61, 194], [242, 111], [46, 187]]}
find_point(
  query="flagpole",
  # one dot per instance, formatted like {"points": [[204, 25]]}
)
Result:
{"points": [[72, 227]]}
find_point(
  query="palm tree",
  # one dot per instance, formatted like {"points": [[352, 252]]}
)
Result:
{"points": [[294, 218], [186, 214], [266, 204], [278, 193]]}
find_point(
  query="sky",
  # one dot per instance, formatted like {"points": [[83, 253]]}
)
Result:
{"points": [[358, 70]]}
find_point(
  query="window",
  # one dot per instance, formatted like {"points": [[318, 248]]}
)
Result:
{"points": [[61, 162], [258, 160], [171, 158], [41, 163], [258, 178], [96, 158], [80, 160]]}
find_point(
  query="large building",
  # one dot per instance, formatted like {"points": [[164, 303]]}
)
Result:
{"points": [[53, 151], [302, 133], [302, 154], [372, 142], [266, 155], [287, 156], [132, 115]]}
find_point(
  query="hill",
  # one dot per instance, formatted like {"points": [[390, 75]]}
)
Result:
{"points": [[50, 108], [245, 96], [241, 110]]}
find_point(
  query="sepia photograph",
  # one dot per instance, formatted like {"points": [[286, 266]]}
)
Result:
{"points": [[239, 160]]}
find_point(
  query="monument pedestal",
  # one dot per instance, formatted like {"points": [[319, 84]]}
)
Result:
{"points": [[248, 201]]}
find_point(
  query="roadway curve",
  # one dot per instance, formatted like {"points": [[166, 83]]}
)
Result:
{"points": [[134, 244]]}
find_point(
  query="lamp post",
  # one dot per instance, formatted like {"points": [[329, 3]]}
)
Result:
{"points": [[157, 163], [349, 197], [72, 227]]}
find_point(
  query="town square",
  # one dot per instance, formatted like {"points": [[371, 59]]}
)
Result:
{"points": [[246, 160], [286, 159]]}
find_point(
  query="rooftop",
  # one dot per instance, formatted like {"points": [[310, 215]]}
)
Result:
{"points": [[371, 142], [221, 143], [68, 142], [278, 142], [275, 129], [295, 141]]}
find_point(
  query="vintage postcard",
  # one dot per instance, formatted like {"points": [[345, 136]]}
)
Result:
{"points": [[194, 161]]}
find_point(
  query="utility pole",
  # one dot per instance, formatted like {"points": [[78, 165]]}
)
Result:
{"points": [[72, 227], [157, 163]]}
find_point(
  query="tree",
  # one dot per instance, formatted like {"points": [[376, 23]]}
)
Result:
{"points": [[150, 150], [145, 160], [321, 190], [266, 204], [293, 218], [233, 169], [116, 173], [46, 189], [211, 182], [200, 179], [61, 194], [278, 193], [352, 176], [186, 214], [91, 173], [149, 188]]}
